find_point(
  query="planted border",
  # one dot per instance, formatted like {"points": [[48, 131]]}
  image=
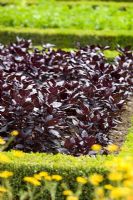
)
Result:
{"points": [[64, 38], [76, 99], [68, 166]]}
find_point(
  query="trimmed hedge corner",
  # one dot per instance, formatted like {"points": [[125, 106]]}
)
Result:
{"points": [[64, 38], [68, 166]]}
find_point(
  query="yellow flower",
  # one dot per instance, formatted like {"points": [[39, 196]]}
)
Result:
{"points": [[120, 192], [72, 198], [3, 189], [115, 176], [81, 180], [48, 178], [130, 197], [95, 179], [128, 183], [4, 158], [14, 133], [57, 177], [2, 141], [129, 175], [96, 147], [124, 166], [115, 193], [18, 153], [112, 148], [99, 192], [120, 164], [37, 176], [43, 174], [108, 187], [6, 174], [32, 181], [67, 192]]}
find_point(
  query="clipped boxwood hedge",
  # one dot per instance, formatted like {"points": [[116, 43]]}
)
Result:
{"points": [[7, 2], [64, 38], [68, 166], [100, 0]]}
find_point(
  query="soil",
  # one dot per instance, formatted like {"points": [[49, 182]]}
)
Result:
{"points": [[118, 135]]}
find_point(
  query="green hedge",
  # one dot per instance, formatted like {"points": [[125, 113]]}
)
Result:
{"points": [[82, 15], [63, 38], [68, 166], [100, 0], [6, 2]]}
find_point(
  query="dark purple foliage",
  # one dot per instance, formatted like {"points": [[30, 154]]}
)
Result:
{"points": [[61, 101]]}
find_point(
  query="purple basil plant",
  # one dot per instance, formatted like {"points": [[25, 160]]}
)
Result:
{"points": [[61, 102]]}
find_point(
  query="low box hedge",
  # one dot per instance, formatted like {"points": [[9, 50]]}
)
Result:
{"points": [[40, 17], [64, 38], [100, 0], [68, 166], [7, 2]]}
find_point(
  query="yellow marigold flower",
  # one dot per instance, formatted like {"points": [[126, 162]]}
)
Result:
{"points": [[115, 193], [95, 179], [57, 177], [99, 192], [14, 133], [2, 141], [115, 176], [96, 147], [18, 153], [130, 197], [108, 187], [67, 192], [81, 180], [128, 183], [119, 164], [112, 148], [37, 176], [4, 158], [6, 174], [32, 181], [3, 189], [129, 175], [72, 198], [48, 178], [124, 166], [119, 192], [43, 174]]}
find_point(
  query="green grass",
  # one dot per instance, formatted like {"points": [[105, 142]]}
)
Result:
{"points": [[67, 38], [81, 15]]}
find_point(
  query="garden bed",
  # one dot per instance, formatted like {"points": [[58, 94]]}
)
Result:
{"points": [[77, 102]]}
